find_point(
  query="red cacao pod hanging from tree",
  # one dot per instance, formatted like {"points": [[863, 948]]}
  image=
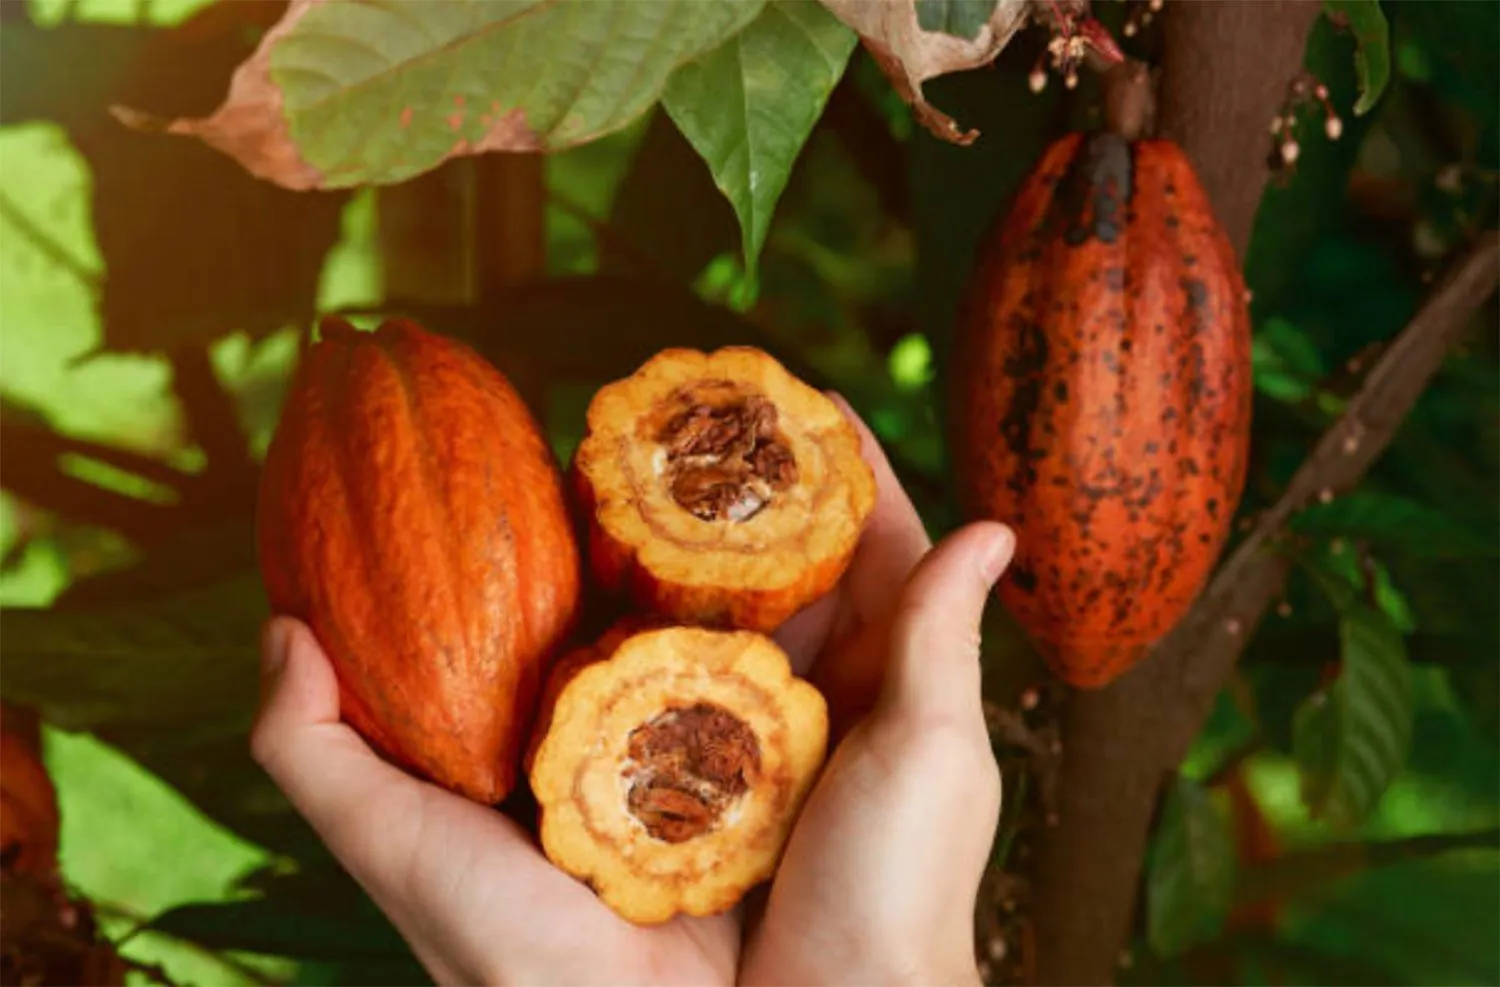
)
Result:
{"points": [[412, 513], [1103, 397]]}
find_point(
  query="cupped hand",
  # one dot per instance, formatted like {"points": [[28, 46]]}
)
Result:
{"points": [[878, 882], [467, 888], [880, 874]]}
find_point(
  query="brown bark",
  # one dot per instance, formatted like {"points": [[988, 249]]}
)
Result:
{"points": [[512, 208], [1225, 69], [1224, 73]]}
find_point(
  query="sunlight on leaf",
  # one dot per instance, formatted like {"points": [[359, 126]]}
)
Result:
{"points": [[911, 362], [131, 841], [351, 272], [724, 282], [40, 575], [49, 318], [158, 13]]}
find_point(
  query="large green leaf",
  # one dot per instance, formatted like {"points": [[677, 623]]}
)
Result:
{"points": [[376, 91], [749, 105], [284, 926], [1352, 738], [171, 681], [1190, 885], [1372, 59], [1395, 522]]}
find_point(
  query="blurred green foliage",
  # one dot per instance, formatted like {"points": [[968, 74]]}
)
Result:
{"points": [[194, 864]]}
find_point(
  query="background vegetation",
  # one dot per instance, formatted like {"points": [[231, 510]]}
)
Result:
{"points": [[1334, 821]]}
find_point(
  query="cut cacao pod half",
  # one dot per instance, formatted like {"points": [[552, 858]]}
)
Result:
{"points": [[411, 512], [720, 490], [673, 764], [1103, 388]]}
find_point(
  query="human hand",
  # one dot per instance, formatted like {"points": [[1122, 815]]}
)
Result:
{"points": [[468, 888], [878, 881], [880, 875]]}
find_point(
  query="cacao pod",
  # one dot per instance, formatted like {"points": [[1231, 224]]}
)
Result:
{"points": [[413, 515], [1103, 391], [671, 764], [29, 823]]}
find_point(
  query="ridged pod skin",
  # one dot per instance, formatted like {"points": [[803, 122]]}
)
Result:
{"points": [[685, 819], [1103, 390], [752, 573], [413, 515]]}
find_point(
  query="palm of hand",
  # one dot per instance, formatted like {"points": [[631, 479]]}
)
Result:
{"points": [[474, 895]]}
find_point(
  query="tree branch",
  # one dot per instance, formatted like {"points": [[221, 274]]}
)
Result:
{"points": [[35, 444], [46, 486], [1120, 741], [1224, 74], [215, 425], [1248, 582]]}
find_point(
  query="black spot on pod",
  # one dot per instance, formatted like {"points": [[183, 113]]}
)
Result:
{"points": [[1027, 365], [1096, 192]]}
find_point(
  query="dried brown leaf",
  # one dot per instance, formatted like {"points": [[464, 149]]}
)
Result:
{"points": [[910, 56]]}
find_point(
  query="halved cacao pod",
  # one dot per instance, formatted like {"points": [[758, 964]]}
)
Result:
{"points": [[412, 513], [720, 490], [671, 764], [1103, 398]]}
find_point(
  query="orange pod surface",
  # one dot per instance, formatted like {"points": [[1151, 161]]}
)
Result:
{"points": [[413, 514], [1103, 390]]}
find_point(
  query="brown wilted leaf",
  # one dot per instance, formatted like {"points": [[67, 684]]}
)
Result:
{"points": [[910, 56]]}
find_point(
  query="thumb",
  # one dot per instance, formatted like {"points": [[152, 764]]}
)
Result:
{"points": [[934, 661]]}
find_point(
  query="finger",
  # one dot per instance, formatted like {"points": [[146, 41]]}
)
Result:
{"points": [[804, 635], [322, 765], [933, 671], [894, 539], [369, 812]]}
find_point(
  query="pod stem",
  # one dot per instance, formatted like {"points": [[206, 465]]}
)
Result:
{"points": [[1129, 100]]}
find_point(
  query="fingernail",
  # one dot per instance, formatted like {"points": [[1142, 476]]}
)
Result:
{"points": [[997, 553]]}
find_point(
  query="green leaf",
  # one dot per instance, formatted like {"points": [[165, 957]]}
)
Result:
{"points": [[960, 18], [1190, 884], [748, 106], [1372, 35], [1392, 521], [283, 927], [173, 682], [343, 94], [1352, 739]]}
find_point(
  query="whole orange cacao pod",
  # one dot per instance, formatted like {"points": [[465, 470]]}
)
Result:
{"points": [[413, 514], [1103, 398]]}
